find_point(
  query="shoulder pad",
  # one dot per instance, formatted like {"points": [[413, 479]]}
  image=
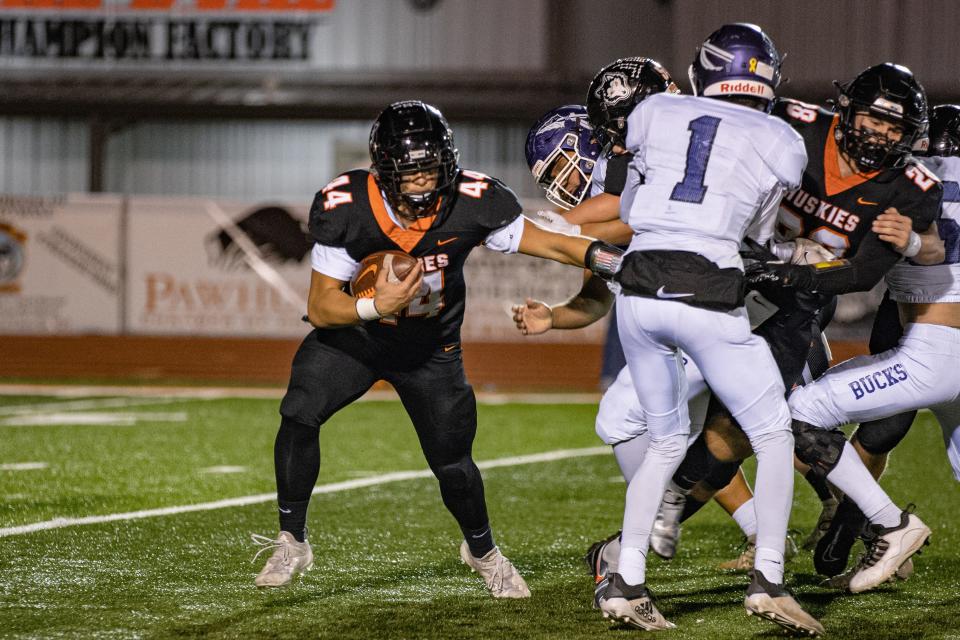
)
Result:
{"points": [[495, 204], [335, 204]]}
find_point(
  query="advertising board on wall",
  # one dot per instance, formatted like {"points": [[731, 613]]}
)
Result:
{"points": [[59, 264], [199, 267]]}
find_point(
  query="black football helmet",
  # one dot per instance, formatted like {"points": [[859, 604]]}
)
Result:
{"points": [[410, 137], [617, 89], [889, 92], [944, 130]]}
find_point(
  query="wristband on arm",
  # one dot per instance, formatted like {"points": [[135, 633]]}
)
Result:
{"points": [[913, 245], [367, 309]]}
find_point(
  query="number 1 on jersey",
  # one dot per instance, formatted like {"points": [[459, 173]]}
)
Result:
{"points": [[691, 189]]}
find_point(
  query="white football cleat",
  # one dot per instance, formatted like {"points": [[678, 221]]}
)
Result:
{"points": [[499, 574], [773, 602], [888, 552], [827, 512], [289, 559], [632, 605], [842, 581], [665, 534]]}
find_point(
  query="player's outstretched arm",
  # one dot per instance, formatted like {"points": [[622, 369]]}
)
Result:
{"points": [[542, 243], [589, 305], [329, 306], [602, 207], [922, 248], [614, 231]]}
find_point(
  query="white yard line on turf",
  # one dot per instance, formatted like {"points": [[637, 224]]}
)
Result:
{"points": [[23, 466], [59, 523], [170, 394], [83, 405]]}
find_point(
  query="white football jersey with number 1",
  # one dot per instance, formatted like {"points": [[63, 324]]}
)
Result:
{"points": [[712, 171]]}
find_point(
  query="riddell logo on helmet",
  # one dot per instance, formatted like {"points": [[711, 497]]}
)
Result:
{"points": [[743, 86]]}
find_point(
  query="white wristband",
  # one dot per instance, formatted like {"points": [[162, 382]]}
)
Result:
{"points": [[367, 309], [913, 245]]}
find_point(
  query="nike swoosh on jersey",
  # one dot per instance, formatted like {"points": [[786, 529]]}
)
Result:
{"points": [[866, 202], [440, 243], [666, 296]]}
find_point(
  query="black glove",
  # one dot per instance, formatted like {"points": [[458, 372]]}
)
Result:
{"points": [[784, 275], [753, 250]]}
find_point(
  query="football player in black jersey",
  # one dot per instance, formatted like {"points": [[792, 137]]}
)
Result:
{"points": [[859, 178], [416, 199]]}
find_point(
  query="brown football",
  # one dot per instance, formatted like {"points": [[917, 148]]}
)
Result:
{"points": [[398, 264]]}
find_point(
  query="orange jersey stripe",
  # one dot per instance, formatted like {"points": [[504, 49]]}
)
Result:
{"points": [[407, 238], [833, 182]]}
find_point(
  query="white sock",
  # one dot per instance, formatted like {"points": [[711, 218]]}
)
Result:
{"points": [[746, 518], [644, 494], [769, 562], [630, 454], [633, 564], [773, 497], [852, 477]]}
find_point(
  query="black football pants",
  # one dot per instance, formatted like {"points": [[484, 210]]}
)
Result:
{"points": [[332, 368]]}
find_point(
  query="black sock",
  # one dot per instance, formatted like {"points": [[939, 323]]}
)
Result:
{"points": [[479, 540], [296, 458], [293, 518], [695, 466], [690, 507], [721, 473], [819, 485]]}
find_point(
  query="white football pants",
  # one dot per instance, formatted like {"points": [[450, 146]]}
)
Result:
{"points": [[923, 370], [739, 368]]}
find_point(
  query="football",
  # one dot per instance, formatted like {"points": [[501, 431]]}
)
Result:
{"points": [[397, 263]]}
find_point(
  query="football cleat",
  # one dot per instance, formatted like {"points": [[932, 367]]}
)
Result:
{"points": [[499, 574], [888, 549], [827, 512], [842, 581], [289, 559], [666, 528], [744, 562], [603, 556], [832, 552], [773, 602], [631, 605]]}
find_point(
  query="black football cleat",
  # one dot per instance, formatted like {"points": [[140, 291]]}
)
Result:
{"points": [[832, 553], [597, 564]]}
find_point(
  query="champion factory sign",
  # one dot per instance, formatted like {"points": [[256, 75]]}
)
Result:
{"points": [[158, 31]]}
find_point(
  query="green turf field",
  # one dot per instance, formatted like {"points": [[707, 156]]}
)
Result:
{"points": [[387, 564]]}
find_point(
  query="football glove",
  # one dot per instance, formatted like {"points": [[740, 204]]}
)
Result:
{"points": [[553, 221], [784, 275]]}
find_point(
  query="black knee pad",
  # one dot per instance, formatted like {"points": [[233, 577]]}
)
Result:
{"points": [[458, 476], [881, 436], [820, 449], [721, 474]]}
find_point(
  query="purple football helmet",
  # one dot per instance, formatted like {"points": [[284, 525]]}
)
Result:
{"points": [[561, 152], [736, 60]]}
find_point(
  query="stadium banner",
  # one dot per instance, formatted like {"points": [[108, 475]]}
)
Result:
{"points": [[137, 33], [217, 268], [59, 264]]}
